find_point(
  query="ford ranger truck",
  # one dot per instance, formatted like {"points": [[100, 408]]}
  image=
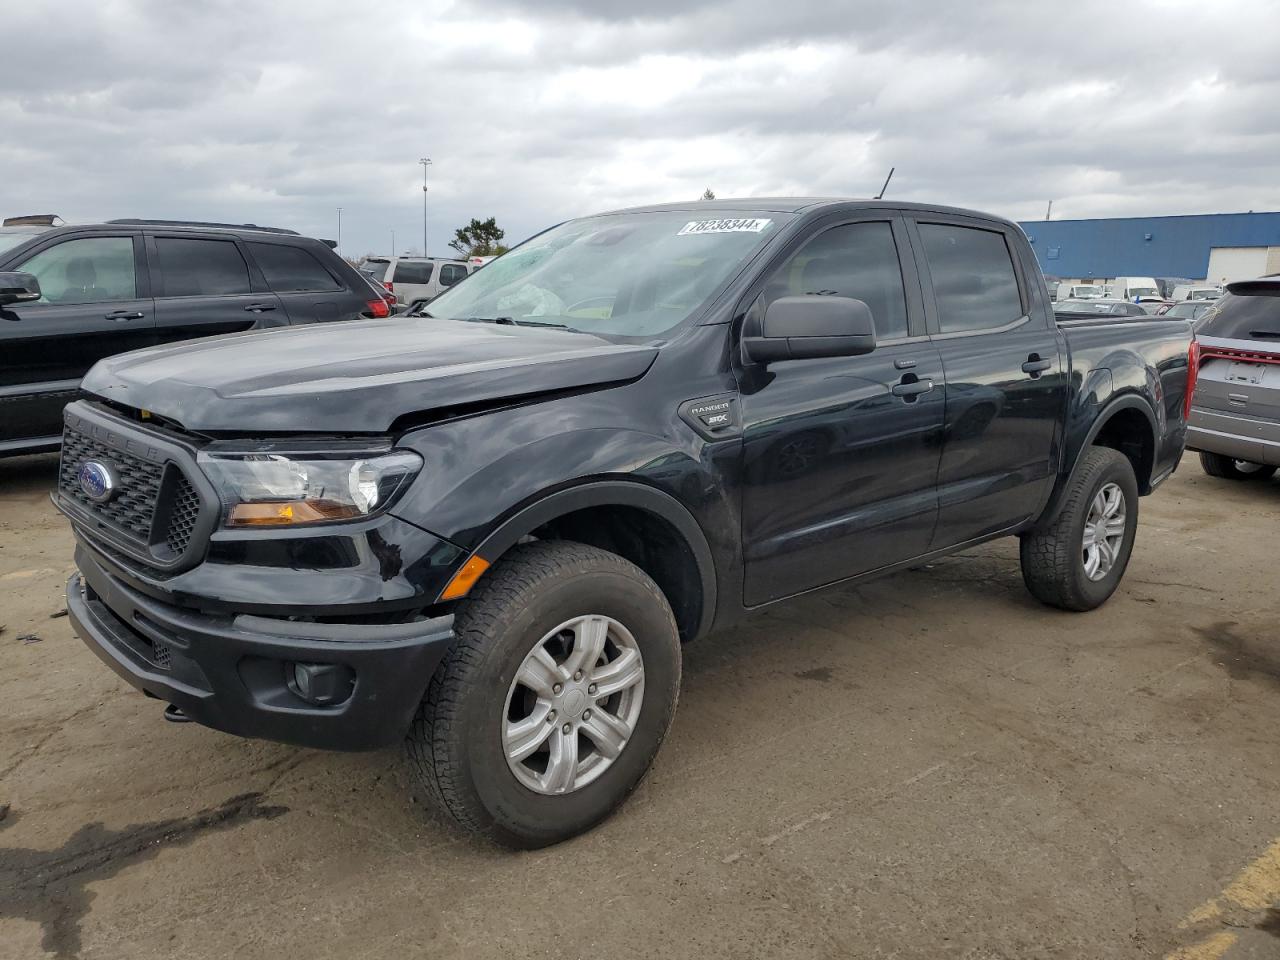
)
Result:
{"points": [[489, 529]]}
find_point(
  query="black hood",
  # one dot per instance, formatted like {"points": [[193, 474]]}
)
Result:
{"points": [[357, 377]]}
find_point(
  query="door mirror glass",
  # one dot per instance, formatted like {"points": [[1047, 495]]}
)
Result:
{"points": [[805, 327], [18, 288]]}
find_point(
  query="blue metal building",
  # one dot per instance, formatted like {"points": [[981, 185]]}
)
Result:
{"points": [[1145, 246]]}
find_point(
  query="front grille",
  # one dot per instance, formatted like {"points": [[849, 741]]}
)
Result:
{"points": [[182, 516], [156, 515], [133, 509]]}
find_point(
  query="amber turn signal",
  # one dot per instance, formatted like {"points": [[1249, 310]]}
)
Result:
{"points": [[288, 512], [465, 578]]}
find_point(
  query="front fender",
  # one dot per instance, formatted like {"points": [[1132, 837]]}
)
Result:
{"points": [[488, 480]]}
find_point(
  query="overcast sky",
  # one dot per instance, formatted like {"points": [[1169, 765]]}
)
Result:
{"points": [[280, 112]]}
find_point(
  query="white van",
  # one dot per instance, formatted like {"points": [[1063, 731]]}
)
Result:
{"points": [[1196, 292], [414, 278], [1130, 288], [1080, 291]]}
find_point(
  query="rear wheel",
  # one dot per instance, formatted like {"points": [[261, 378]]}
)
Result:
{"points": [[1077, 561], [1216, 465], [554, 700]]}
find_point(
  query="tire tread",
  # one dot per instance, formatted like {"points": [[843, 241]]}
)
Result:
{"points": [[1049, 555]]}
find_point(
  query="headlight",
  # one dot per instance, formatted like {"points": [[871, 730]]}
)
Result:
{"points": [[282, 489]]}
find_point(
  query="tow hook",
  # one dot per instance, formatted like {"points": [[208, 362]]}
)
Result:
{"points": [[175, 715]]}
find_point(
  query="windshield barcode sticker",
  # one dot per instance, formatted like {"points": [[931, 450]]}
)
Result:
{"points": [[723, 226]]}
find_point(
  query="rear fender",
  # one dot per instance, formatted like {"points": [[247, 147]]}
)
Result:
{"points": [[1113, 407]]}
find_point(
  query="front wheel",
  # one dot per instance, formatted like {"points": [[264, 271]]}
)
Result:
{"points": [[1216, 465], [1076, 562], [559, 689]]}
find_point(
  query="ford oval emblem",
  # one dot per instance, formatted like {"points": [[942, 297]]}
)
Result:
{"points": [[98, 481]]}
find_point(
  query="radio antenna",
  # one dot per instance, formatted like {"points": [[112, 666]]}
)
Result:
{"points": [[880, 195]]}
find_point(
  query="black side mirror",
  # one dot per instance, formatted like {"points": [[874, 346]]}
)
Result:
{"points": [[801, 328], [18, 288]]}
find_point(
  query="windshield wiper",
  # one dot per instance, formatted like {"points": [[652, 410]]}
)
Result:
{"points": [[541, 323], [513, 322]]}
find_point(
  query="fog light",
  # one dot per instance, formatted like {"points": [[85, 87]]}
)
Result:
{"points": [[324, 684]]}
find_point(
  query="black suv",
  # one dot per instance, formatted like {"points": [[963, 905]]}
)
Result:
{"points": [[72, 295]]}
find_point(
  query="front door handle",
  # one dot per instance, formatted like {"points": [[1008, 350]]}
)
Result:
{"points": [[260, 307], [1035, 366], [909, 390], [124, 315]]}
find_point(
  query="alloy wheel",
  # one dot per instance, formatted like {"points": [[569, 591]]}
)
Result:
{"points": [[1103, 531], [573, 704]]}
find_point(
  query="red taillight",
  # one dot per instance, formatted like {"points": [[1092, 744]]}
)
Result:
{"points": [[1193, 371], [379, 308], [390, 287]]}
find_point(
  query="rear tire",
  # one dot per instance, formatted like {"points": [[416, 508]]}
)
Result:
{"points": [[1063, 567], [1216, 465], [529, 614]]}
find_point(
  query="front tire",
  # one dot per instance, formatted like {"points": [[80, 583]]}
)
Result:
{"points": [[1077, 561], [558, 691], [1216, 465]]}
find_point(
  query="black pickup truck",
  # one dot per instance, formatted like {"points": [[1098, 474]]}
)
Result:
{"points": [[491, 527]]}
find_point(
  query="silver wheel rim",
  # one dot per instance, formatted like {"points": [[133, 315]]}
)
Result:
{"points": [[1104, 531], [1246, 466], [573, 705]]}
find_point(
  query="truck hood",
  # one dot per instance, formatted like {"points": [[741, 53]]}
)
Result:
{"points": [[357, 377]]}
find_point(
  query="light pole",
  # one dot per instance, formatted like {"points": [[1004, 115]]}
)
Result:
{"points": [[393, 243], [426, 162], [339, 229]]}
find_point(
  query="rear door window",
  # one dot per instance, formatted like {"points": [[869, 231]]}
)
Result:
{"points": [[411, 271], [974, 282], [87, 270], [194, 268], [290, 269]]}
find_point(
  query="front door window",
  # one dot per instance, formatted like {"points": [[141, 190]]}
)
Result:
{"points": [[86, 270]]}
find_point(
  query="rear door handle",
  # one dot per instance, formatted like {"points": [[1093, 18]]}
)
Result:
{"points": [[124, 315], [260, 307], [1035, 366], [912, 389]]}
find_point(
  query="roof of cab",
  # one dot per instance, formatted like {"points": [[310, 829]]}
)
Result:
{"points": [[804, 205]]}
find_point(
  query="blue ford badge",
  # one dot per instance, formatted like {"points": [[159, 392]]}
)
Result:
{"points": [[98, 481]]}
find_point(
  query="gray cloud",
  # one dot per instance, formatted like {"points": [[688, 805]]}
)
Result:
{"points": [[536, 111]]}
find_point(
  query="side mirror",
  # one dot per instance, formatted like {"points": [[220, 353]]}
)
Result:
{"points": [[801, 328], [18, 288]]}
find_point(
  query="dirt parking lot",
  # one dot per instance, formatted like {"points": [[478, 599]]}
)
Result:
{"points": [[931, 765]]}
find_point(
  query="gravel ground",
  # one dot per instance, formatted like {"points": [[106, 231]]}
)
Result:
{"points": [[926, 766]]}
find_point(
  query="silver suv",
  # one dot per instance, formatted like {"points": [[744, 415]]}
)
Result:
{"points": [[1235, 412], [414, 278]]}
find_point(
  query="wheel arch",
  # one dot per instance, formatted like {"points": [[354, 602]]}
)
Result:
{"points": [[1126, 424], [645, 525], [1129, 425]]}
